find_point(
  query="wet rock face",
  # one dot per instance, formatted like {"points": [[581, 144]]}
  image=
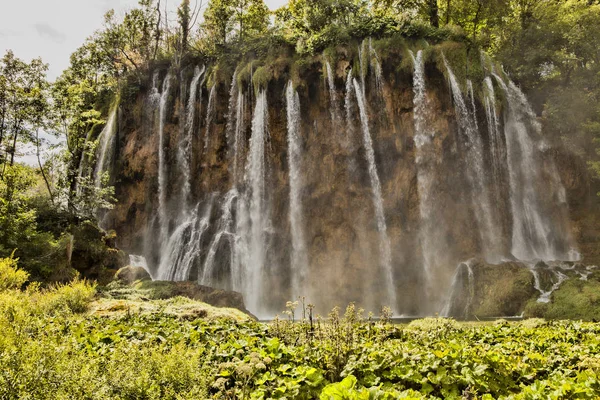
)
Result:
{"points": [[94, 254], [341, 234]]}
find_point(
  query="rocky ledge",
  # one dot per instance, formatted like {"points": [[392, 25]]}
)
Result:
{"points": [[135, 284]]}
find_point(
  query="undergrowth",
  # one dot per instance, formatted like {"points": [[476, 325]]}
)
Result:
{"points": [[51, 348]]}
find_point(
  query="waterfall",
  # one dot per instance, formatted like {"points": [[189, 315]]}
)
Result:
{"points": [[376, 66], [384, 241], [162, 165], [487, 219], [350, 111], [107, 139], [348, 100], [545, 294], [496, 146], [363, 62], [138, 261], [253, 219], [459, 286], [432, 232], [183, 247], [332, 94], [184, 154], [231, 120], [235, 126], [299, 258], [240, 134], [210, 114], [225, 229], [535, 234]]}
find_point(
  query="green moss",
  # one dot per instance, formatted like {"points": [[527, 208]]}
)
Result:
{"points": [[502, 290], [181, 307], [261, 77], [575, 299]]}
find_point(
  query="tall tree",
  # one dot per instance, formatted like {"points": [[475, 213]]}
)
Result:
{"points": [[184, 14]]}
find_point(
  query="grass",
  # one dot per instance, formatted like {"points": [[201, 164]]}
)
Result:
{"points": [[64, 342]]}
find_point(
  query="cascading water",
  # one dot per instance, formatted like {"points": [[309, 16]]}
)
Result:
{"points": [[138, 261], [225, 230], [231, 118], [484, 212], [183, 248], [432, 232], [107, 139], [210, 115], [299, 258], [240, 136], [162, 166], [235, 127], [384, 242], [253, 214], [255, 234], [184, 154], [496, 144], [534, 233], [376, 66], [333, 107], [462, 292]]}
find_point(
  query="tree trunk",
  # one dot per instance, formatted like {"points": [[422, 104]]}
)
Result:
{"points": [[37, 143], [476, 19], [14, 146], [448, 4], [434, 18], [157, 31]]}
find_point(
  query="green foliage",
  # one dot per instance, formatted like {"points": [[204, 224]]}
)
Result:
{"points": [[46, 344], [11, 277], [574, 299], [74, 297]]}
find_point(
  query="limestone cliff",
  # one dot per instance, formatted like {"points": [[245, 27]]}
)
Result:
{"points": [[339, 224]]}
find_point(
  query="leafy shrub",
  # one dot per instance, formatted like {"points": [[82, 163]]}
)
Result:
{"points": [[11, 277], [74, 297]]}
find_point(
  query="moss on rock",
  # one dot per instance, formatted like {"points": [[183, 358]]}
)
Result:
{"points": [[574, 299], [502, 290]]}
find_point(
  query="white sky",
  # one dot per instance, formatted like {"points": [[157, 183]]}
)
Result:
{"points": [[53, 29]]}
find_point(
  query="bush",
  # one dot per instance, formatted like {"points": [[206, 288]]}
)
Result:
{"points": [[74, 297], [11, 277]]}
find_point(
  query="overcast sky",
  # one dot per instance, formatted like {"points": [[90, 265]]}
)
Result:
{"points": [[53, 29]]}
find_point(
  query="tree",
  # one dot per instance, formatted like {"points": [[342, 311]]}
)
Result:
{"points": [[132, 42], [217, 23], [184, 16], [251, 17]]}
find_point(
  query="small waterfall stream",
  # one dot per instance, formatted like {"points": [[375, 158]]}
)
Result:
{"points": [[496, 143], [184, 153], [162, 165], [107, 139], [254, 215], [432, 231], [299, 259], [184, 245], [333, 105], [210, 115], [384, 242], [533, 236], [462, 292], [225, 230], [476, 173]]}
